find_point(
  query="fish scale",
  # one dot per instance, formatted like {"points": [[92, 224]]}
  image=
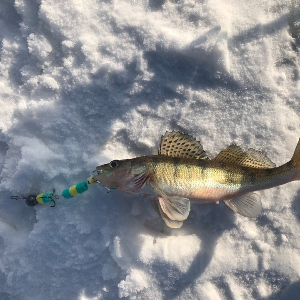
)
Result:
{"points": [[210, 181], [192, 178]]}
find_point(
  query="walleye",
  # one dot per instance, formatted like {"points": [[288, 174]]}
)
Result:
{"points": [[182, 173]]}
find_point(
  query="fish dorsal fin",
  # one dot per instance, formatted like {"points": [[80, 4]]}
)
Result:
{"points": [[248, 205], [248, 158], [177, 144]]}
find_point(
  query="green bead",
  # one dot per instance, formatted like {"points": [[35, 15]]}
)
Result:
{"points": [[66, 194], [82, 187]]}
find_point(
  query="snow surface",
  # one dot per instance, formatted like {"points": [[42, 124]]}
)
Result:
{"points": [[83, 82]]}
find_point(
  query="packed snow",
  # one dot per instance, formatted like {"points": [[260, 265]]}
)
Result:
{"points": [[83, 82]]}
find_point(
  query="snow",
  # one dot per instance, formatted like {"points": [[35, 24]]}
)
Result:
{"points": [[86, 82]]}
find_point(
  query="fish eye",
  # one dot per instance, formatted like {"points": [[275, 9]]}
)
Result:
{"points": [[114, 163]]}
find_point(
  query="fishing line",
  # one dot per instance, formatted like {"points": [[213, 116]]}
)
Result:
{"points": [[51, 197]]}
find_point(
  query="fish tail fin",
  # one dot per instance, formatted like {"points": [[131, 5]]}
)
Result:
{"points": [[296, 160]]}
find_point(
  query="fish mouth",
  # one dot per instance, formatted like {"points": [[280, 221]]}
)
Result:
{"points": [[112, 185], [97, 173]]}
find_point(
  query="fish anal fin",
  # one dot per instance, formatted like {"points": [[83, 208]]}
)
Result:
{"points": [[247, 158], [248, 205], [177, 144]]}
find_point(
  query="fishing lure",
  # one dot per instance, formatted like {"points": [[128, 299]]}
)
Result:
{"points": [[51, 197]]}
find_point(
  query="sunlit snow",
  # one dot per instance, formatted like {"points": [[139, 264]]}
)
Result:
{"points": [[83, 82]]}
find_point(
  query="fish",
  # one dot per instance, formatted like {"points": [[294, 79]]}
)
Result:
{"points": [[182, 173]]}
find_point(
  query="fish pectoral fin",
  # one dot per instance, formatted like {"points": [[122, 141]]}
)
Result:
{"points": [[136, 182], [176, 208], [170, 223], [248, 205]]}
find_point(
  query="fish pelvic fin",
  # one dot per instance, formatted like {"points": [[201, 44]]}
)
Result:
{"points": [[170, 223], [176, 208], [296, 160]]}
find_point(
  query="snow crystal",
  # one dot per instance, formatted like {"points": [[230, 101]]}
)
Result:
{"points": [[38, 46], [264, 290], [176, 250], [208, 291], [135, 282], [109, 270]]}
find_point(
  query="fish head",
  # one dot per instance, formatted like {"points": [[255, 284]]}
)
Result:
{"points": [[120, 174]]}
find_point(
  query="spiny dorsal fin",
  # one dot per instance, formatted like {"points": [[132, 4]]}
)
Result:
{"points": [[248, 158], [177, 144]]}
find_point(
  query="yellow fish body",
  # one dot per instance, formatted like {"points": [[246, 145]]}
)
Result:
{"points": [[182, 172]]}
